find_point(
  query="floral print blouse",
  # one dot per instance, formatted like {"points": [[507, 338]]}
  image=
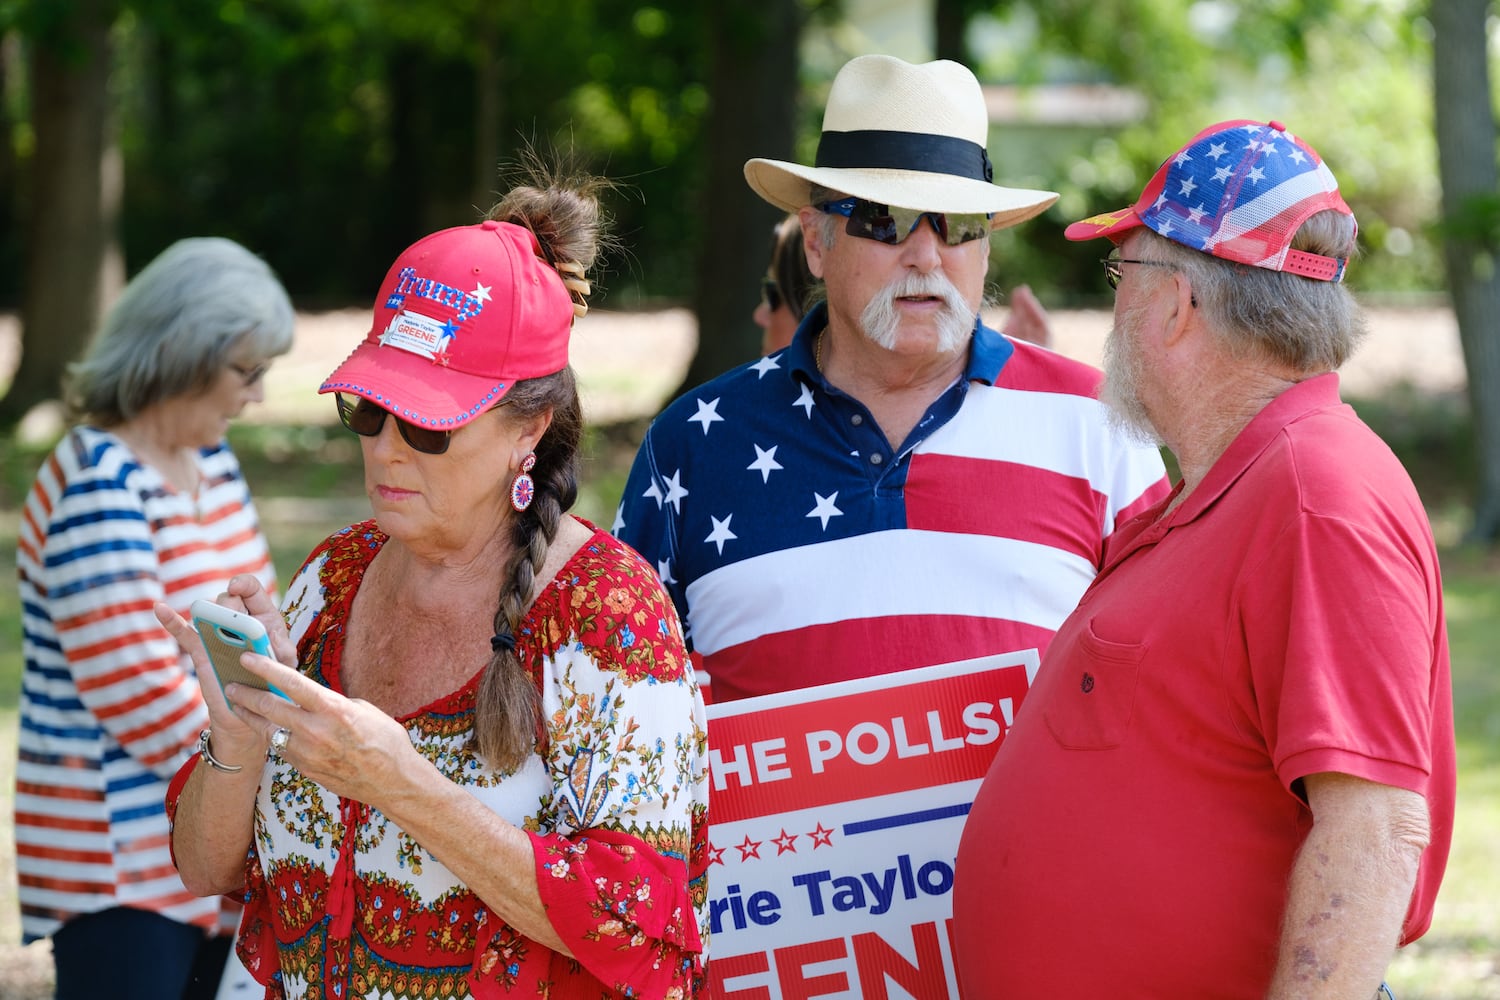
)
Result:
{"points": [[340, 903]]}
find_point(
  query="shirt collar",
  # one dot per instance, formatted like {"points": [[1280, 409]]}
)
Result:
{"points": [[1320, 392]]}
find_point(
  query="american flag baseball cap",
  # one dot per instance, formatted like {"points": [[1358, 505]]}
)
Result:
{"points": [[1239, 190]]}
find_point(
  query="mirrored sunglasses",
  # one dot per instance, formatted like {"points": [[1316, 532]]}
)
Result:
{"points": [[366, 419], [870, 220]]}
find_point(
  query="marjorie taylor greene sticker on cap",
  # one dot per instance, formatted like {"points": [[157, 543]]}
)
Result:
{"points": [[423, 335]]}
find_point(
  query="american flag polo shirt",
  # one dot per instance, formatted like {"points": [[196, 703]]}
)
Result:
{"points": [[801, 549]]}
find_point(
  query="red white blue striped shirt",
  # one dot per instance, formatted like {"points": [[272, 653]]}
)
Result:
{"points": [[109, 707]]}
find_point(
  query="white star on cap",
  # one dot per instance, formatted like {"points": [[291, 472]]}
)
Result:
{"points": [[481, 292], [1256, 175], [765, 462], [721, 532], [1217, 150], [707, 413]]}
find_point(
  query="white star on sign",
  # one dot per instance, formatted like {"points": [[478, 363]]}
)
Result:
{"points": [[675, 492], [481, 292], [707, 413], [825, 508], [766, 364], [765, 462], [721, 532], [806, 400]]}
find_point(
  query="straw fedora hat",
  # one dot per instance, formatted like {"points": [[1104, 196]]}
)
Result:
{"points": [[910, 136]]}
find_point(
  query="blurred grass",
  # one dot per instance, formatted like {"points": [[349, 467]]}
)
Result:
{"points": [[308, 481]]}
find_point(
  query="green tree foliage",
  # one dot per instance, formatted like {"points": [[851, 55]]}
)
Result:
{"points": [[326, 134], [1350, 76]]}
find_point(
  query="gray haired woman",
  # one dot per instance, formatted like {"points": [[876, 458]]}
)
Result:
{"points": [[141, 502]]}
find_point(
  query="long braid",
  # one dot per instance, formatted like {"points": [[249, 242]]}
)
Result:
{"points": [[564, 214], [507, 706]]}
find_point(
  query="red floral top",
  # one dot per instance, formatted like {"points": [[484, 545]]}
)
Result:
{"points": [[340, 903]]}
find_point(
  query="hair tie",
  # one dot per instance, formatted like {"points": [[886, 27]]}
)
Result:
{"points": [[505, 640], [576, 284]]}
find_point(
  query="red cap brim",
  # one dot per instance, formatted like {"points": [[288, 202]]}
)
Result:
{"points": [[1110, 224]]}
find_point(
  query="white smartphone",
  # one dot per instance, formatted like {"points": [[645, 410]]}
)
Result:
{"points": [[228, 634]]}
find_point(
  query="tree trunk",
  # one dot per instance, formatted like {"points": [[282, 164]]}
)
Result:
{"points": [[950, 21], [753, 86], [73, 207], [1470, 179]]}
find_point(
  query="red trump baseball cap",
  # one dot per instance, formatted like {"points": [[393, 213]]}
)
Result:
{"points": [[462, 315]]}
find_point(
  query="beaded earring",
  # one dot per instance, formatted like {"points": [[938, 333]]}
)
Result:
{"points": [[522, 488]]}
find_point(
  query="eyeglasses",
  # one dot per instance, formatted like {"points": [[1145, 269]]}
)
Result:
{"points": [[366, 419], [250, 376], [770, 293], [1114, 269], [870, 220]]}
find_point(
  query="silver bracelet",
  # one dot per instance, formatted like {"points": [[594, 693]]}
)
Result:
{"points": [[208, 755]]}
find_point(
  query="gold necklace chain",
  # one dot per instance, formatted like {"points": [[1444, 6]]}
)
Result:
{"points": [[818, 351]]}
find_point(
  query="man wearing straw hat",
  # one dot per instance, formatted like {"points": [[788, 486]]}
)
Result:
{"points": [[901, 486]]}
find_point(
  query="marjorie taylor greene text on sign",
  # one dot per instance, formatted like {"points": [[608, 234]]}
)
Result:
{"points": [[836, 816]]}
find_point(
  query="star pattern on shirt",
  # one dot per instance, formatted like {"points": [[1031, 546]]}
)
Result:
{"points": [[721, 532], [824, 509], [664, 570], [806, 400], [769, 363], [765, 462], [675, 491], [708, 413]]}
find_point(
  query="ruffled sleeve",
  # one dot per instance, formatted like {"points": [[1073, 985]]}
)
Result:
{"points": [[622, 868]]}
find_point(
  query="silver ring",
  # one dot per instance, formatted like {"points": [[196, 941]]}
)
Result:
{"points": [[278, 743]]}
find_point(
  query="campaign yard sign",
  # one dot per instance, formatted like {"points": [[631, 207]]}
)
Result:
{"points": [[835, 818]]}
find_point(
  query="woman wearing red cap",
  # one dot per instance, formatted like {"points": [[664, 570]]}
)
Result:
{"points": [[489, 773]]}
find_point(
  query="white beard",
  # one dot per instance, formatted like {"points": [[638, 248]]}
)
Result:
{"points": [[1121, 389]]}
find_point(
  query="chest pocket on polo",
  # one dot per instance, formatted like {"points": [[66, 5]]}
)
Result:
{"points": [[1097, 702]]}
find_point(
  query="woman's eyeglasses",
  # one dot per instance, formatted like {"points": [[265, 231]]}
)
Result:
{"points": [[770, 293], [870, 220], [366, 419], [250, 376], [1114, 269]]}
